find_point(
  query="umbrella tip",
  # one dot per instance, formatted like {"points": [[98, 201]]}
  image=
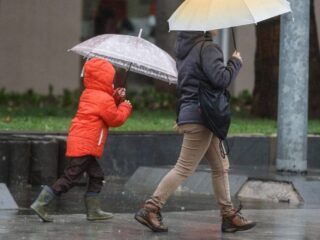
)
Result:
{"points": [[140, 32], [82, 72]]}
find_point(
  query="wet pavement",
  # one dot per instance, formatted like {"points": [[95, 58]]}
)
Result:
{"points": [[189, 217], [281, 224], [116, 198]]}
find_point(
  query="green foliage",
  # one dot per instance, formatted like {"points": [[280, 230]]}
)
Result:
{"points": [[152, 99], [153, 111], [20, 101], [242, 104], [147, 120], [149, 98]]}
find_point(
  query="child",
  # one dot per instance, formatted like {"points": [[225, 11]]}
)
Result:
{"points": [[100, 107]]}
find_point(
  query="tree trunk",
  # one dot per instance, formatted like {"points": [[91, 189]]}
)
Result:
{"points": [[314, 88], [164, 38], [265, 94]]}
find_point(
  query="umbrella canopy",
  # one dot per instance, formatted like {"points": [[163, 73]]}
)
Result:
{"points": [[206, 15], [130, 53]]}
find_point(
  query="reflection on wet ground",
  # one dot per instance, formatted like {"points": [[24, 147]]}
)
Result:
{"points": [[188, 217], [115, 198], [280, 224]]}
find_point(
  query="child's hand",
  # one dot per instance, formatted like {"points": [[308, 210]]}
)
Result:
{"points": [[122, 93], [127, 101], [119, 94]]}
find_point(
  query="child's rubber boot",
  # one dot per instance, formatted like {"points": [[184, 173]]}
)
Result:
{"points": [[93, 207], [41, 203]]}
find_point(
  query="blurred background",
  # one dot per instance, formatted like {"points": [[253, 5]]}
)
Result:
{"points": [[40, 85], [36, 35]]}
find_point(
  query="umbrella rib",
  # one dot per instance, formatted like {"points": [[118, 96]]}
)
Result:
{"points": [[208, 10], [129, 63], [98, 47], [117, 56], [149, 72], [250, 11]]}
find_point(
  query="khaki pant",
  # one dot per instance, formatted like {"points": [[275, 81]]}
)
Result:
{"points": [[198, 141]]}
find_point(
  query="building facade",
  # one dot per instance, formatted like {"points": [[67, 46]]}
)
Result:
{"points": [[36, 35]]}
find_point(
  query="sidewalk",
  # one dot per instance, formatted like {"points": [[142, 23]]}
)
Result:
{"points": [[189, 215], [293, 224], [246, 183]]}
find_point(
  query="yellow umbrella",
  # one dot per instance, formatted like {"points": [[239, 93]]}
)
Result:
{"points": [[206, 15]]}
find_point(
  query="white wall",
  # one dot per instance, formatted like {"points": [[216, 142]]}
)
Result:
{"points": [[246, 43], [35, 36]]}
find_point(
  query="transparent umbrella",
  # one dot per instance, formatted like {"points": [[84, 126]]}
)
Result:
{"points": [[131, 53]]}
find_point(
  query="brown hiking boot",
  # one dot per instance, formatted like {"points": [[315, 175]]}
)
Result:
{"points": [[151, 217], [235, 222]]}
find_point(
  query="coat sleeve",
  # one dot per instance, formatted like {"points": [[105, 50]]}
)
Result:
{"points": [[219, 75], [113, 115]]}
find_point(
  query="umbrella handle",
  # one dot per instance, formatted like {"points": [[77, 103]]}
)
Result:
{"points": [[234, 40], [127, 72]]}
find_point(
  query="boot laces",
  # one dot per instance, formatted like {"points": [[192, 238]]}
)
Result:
{"points": [[238, 213], [159, 216], [239, 209], [157, 212]]}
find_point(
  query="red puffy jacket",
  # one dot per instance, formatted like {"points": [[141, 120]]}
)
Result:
{"points": [[97, 111]]}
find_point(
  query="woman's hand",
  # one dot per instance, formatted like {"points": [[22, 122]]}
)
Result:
{"points": [[237, 55]]}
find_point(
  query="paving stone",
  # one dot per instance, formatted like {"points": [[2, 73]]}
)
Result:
{"points": [[280, 224]]}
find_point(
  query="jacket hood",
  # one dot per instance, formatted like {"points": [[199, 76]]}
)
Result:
{"points": [[98, 75], [186, 41]]}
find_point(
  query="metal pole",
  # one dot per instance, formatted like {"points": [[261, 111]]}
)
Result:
{"points": [[234, 39], [225, 44], [293, 88]]}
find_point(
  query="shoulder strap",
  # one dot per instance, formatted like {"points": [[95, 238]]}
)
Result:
{"points": [[178, 92], [200, 54], [201, 66], [224, 148]]}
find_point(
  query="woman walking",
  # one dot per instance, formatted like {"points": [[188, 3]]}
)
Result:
{"points": [[198, 58]]}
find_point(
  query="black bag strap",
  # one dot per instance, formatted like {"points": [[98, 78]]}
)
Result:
{"points": [[178, 92], [200, 56], [224, 148]]}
